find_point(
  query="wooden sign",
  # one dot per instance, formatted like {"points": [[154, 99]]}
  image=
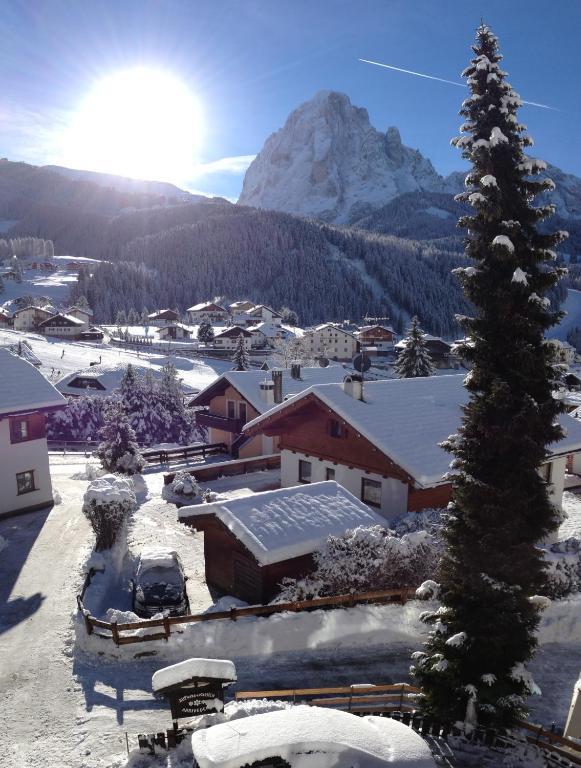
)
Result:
{"points": [[194, 701]]}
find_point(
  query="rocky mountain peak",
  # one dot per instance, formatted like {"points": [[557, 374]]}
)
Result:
{"points": [[329, 162]]}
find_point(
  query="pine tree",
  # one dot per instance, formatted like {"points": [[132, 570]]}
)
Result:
{"points": [[414, 360], [205, 332], [240, 357], [120, 318], [484, 634], [179, 421], [118, 451]]}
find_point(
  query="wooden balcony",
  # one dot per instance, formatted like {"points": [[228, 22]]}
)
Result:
{"points": [[206, 419]]}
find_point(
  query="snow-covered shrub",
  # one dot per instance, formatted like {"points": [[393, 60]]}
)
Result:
{"points": [[119, 451], [183, 484], [564, 568], [107, 503], [366, 559], [431, 520]]}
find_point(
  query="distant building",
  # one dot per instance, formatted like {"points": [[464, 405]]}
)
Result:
{"points": [[5, 318], [267, 334], [64, 326], [384, 448], [252, 543], [441, 352], [82, 313], [328, 340], [25, 399], [228, 339], [241, 306], [263, 314], [29, 318], [214, 313], [163, 317], [377, 338], [102, 380], [175, 332]]}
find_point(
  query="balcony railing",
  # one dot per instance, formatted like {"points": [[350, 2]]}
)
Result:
{"points": [[206, 419]]}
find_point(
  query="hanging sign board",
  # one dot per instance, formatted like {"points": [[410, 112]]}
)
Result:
{"points": [[196, 700]]}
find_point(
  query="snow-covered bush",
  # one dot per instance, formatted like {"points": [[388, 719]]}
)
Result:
{"points": [[564, 568], [366, 559], [183, 484], [107, 503], [119, 451]]}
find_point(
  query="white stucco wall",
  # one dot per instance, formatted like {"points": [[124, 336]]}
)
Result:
{"points": [[21, 457], [394, 494]]}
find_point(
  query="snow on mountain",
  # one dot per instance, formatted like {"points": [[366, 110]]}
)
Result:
{"points": [[330, 163]]}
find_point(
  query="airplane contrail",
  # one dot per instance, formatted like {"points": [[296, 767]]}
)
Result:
{"points": [[443, 80]]}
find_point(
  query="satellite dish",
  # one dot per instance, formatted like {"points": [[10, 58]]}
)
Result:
{"points": [[323, 362], [361, 363]]}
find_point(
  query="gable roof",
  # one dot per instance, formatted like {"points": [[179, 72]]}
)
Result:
{"points": [[69, 318], [270, 330], [85, 310], [36, 309], [407, 419], [24, 388], [234, 330], [209, 306], [257, 310], [288, 522], [109, 376], [247, 384], [334, 327], [160, 312]]}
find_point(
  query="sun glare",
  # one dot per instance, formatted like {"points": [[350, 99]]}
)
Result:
{"points": [[142, 123]]}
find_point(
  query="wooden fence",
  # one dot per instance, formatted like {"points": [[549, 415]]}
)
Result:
{"points": [[400, 701], [117, 632], [167, 455]]}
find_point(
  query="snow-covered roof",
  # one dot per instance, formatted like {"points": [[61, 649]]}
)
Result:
{"points": [[54, 319], [23, 388], [408, 418], [184, 327], [247, 383], [108, 375], [33, 306], [233, 330], [270, 330], [311, 737], [209, 306], [192, 669], [158, 312], [257, 310], [85, 310], [288, 522], [332, 327]]}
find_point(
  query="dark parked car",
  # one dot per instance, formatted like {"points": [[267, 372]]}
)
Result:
{"points": [[160, 585]]}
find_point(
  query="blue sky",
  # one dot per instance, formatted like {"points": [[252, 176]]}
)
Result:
{"points": [[250, 62]]}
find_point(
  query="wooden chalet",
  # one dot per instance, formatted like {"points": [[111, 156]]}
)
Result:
{"points": [[163, 317], [382, 442]]}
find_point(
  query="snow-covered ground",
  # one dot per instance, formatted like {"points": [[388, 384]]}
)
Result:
{"points": [[54, 285], [571, 526], [78, 355], [63, 706]]}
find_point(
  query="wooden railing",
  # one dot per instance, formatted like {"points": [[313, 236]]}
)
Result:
{"points": [[115, 631], [400, 700], [230, 468], [167, 455]]}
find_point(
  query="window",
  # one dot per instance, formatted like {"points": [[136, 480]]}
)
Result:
{"points": [[231, 406], [336, 429], [329, 473], [305, 471], [242, 411], [25, 482], [19, 430], [371, 492]]}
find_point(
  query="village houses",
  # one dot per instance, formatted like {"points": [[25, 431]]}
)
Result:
{"points": [[25, 399], [65, 326], [163, 317], [28, 318], [381, 440], [209, 311]]}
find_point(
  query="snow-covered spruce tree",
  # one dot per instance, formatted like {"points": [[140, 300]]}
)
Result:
{"points": [[240, 357], [119, 451], [484, 633], [205, 332], [178, 420], [414, 360]]}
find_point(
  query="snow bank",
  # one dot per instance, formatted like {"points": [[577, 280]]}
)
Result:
{"points": [[561, 621], [222, 669], [337, 738], [360, 626]]}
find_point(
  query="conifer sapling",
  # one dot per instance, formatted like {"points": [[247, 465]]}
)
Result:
{"points": [[414, 360]]}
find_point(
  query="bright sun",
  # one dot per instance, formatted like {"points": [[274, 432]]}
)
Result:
{"points": [[143, 123]]}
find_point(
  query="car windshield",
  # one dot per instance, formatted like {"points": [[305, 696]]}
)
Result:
{"points": [[161, 575]]}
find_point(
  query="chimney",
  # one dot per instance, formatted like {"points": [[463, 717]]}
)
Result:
{"points": [[267, 392], [277, 381], [353, 386], [296, 371]]}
